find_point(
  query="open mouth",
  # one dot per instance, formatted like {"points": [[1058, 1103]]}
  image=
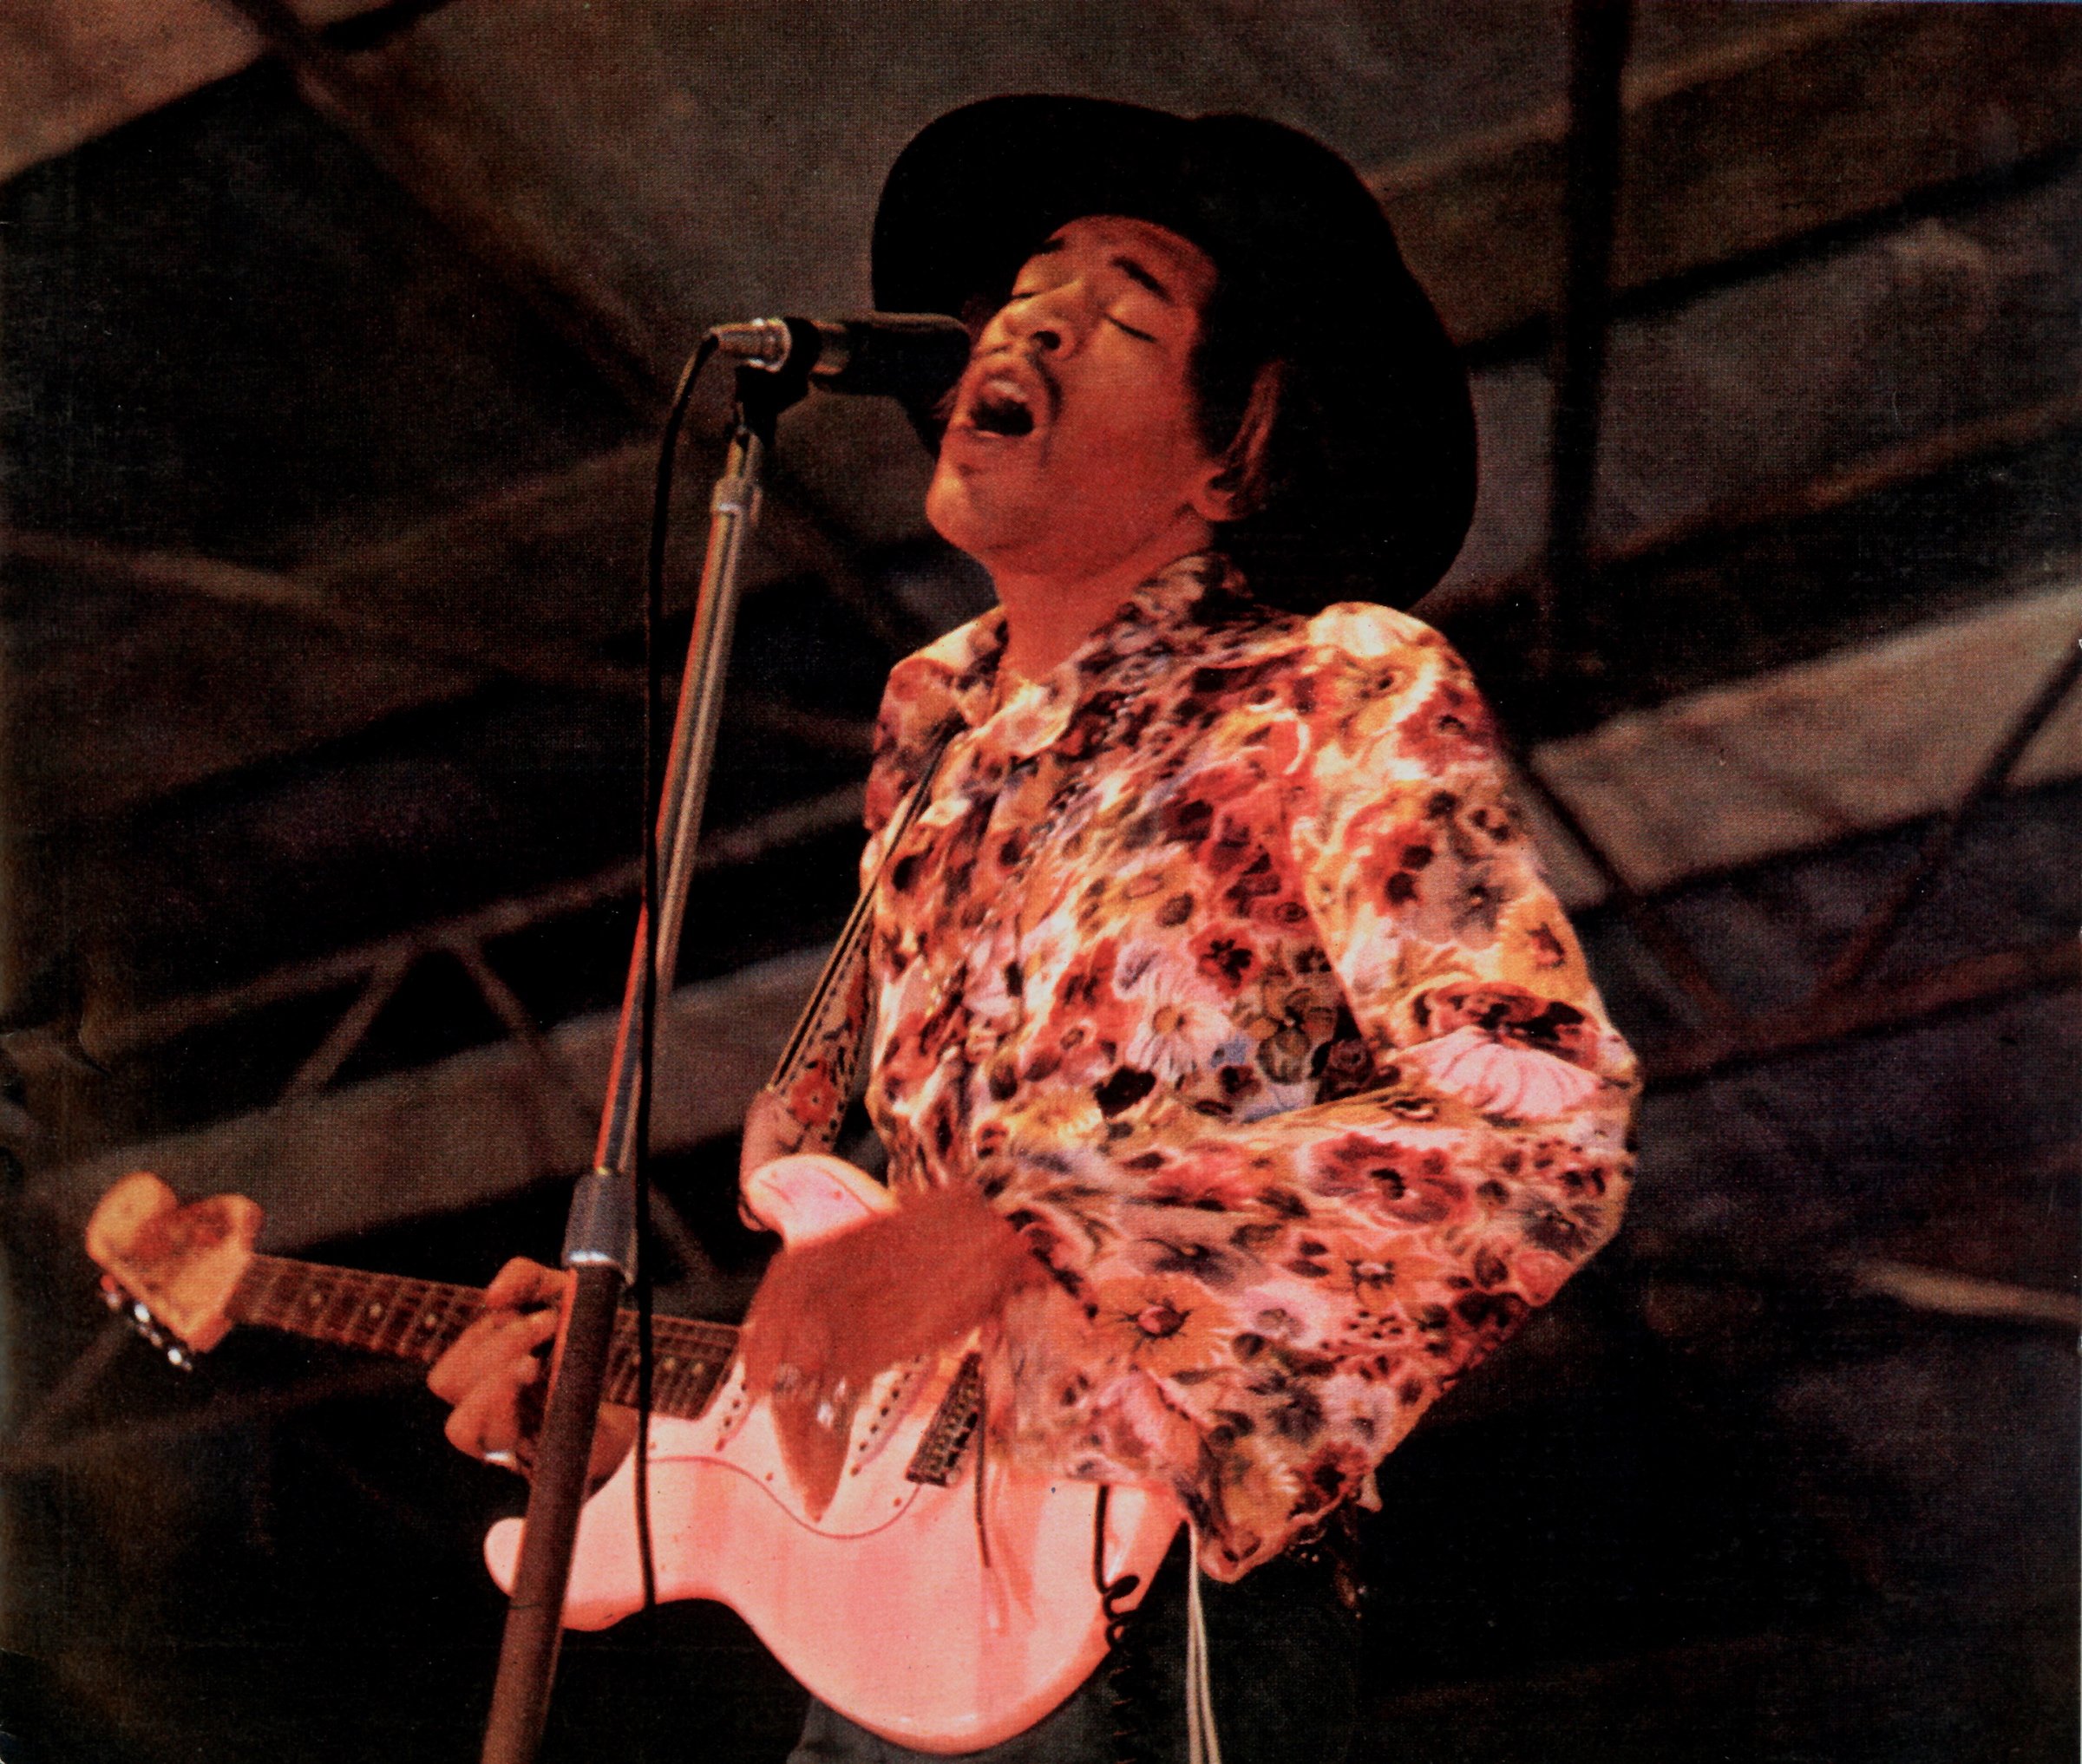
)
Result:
{"points": [[998, 409]]}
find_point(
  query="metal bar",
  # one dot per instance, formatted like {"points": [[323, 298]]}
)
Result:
{"points": [[506, 1005], [604, 1233], [534, 1620], [388, 117], [1969, 1295], [452, 1132], [1662, 939], [1599, 33], [558, 665], [1777, 140], [347, 1035], [1864, 945], [1870, 474], [1888, 468], [757, 840], [733, 510], [391, 126], [1866, 1010], [684, 802]]}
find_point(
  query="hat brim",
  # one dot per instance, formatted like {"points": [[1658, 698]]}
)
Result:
{"points": [[1389, 500]]}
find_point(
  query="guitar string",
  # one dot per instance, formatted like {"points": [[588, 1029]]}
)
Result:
{"points": [[408, 1317]]}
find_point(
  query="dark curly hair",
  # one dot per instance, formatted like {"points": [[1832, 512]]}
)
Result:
{"points": [[1313, 530]]}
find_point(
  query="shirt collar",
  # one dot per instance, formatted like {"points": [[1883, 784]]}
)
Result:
{"points": [[1027, 715], [955, 678]]}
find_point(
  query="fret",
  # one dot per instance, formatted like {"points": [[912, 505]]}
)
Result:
{"points": [[335, 1315], [256, 1298], [284, 1283], [432, 1327], [433, 1323], [422, 1316], [436, 1315], [460, 1306], [414, 1319], [402, 1305], [361, 1312], [343, 1314], [380, 1296], [389, 1314], [315, 1301], [453, 1312], [295, 1294], [689, 1359]]}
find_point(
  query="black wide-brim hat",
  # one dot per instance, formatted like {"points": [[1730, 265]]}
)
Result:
{"points": [[1377, 499]]}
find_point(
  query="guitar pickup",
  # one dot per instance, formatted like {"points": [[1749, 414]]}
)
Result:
{"points": [[953, 1425]]}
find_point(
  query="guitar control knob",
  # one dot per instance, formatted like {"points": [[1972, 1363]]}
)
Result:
{"points": [[177, 1358]]}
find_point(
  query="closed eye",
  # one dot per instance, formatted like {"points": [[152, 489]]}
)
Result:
{"points": [[1123, 323]]}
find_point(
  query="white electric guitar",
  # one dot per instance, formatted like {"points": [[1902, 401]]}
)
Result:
{"points": [[941, 1615]]}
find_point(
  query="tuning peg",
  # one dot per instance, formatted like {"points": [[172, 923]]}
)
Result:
{"points": [[138, 1314], [146, 1324]]}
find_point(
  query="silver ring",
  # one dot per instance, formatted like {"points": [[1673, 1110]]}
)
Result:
{"points": [[828, 1413]]}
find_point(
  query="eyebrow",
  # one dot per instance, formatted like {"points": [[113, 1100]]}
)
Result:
{"points": [[1136, 272]]}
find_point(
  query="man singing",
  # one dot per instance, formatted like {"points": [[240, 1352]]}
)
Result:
{"points": [[1239, 1074]]}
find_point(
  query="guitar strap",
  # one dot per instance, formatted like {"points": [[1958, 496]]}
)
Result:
{"points": [[833, 1028]]}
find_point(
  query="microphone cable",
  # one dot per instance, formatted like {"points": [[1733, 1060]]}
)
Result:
{"points": [[654, 611]]}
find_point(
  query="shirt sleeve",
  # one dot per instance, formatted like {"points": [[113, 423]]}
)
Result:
{"points": [[1255, 1313]]}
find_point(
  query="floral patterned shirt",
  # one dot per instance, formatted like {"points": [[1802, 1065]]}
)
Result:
{"points": [[1220, 960]]}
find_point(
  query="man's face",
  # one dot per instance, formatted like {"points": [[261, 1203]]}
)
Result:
{"points": [[1074, 444]]}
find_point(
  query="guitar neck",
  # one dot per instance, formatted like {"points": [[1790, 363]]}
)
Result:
{"points": [[418, 1320]]}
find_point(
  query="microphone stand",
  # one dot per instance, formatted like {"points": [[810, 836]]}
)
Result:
{"points": [[600, 1235]]}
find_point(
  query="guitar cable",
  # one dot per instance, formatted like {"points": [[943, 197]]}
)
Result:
{"points": [[654, 604], [1126, 1702]]}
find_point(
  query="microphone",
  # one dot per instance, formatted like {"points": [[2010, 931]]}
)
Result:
{"points": [[912, 355]]}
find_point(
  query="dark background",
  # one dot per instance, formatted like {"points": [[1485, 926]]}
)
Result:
{"points": [[331, 346]]}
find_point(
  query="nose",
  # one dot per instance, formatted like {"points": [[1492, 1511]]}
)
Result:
{"points": [[1052, 323]]}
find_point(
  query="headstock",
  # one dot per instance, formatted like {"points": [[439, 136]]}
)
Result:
{"points": [[171, 1268]]}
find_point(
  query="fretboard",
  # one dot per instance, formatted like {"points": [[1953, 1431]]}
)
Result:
{"points": [[418, 1320]]}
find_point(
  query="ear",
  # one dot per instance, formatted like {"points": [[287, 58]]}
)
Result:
{"points": [[1238, 483]]}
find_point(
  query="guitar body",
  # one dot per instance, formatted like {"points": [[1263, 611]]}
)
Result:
{"points": [[885, 1607], [944, 1624], [941, 1617]]}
